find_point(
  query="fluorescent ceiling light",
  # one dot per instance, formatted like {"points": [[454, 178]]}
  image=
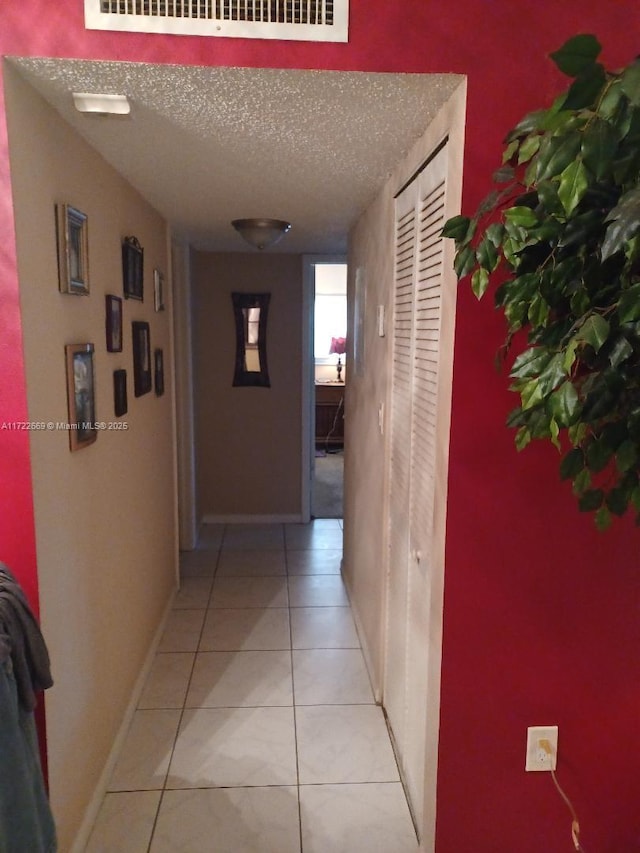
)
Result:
{"points": [[87, 102]]}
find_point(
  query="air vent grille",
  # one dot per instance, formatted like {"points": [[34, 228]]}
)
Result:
{"points": [[307, 20]]}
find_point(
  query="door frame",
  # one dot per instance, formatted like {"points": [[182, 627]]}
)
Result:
{"points": [[308, 420]]}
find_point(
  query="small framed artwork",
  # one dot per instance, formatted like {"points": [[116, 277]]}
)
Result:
{"points": [[141, 358], [73, 250], [81, 395], [158, 371], [120, 392], [114, 323], [158, 290], [132, 268]]}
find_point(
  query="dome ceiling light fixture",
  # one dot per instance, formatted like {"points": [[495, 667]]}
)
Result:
{"points": [[261, 233]]}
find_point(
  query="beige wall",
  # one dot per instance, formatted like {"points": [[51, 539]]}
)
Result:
{"points": [[105, 522], [248, 440]]}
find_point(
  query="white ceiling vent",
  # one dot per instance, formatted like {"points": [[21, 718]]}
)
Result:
{"points": [[304, 20]]}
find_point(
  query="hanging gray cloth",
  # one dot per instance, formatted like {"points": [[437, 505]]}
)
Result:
{"points": [[26, 822]]}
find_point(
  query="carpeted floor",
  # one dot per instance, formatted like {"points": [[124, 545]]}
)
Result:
{"points": [[327, 496]]}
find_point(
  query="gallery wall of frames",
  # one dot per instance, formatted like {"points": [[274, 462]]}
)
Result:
{"points": [[147, 364]]}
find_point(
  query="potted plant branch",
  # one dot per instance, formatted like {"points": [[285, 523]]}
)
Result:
{"points": [[560, 237]]}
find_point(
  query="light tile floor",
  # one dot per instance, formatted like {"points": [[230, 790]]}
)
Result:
{"points": [[256, 731]]}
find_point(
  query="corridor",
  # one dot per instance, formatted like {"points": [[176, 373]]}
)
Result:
{"points": [[256, 731]]}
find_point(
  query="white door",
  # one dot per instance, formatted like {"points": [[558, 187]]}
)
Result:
{"points": [[414, 445]]}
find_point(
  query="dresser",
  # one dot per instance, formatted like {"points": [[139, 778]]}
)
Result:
{"points": [[329, 415]]}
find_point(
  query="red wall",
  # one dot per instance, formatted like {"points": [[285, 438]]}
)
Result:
{"points": [[542, 614]]}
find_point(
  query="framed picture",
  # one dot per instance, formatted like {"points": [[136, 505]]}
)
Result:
{"points": [[114, 323], [120, 392], [158, 290], [141, 358], [158, 370], [132, 268], [81, 395], [73, 250]]}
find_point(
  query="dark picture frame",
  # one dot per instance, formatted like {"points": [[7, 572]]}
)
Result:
{"points": [[141, 337], [72, 231], [120, 392], [113, 324], [250, 311], [132, 269], [81, 398], [158, 371]]}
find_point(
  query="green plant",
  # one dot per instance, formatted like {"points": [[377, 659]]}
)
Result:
{"points": [[560, 237]]}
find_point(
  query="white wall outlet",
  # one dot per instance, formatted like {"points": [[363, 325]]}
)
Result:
{"points": [[542, 748], [381, 321]]}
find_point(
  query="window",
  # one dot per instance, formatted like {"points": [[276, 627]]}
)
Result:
{"points": [[330, 313]]}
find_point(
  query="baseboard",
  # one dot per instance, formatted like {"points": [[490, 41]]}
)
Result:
{"points": [[293, 518], [91, 812]]}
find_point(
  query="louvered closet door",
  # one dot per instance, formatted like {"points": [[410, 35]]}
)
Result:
{"points": [[412, 483]]}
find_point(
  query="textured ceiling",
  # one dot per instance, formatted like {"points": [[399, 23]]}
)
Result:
{"points": [[208, 145]]}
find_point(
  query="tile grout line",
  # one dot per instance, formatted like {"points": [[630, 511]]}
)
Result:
{"points": [[184, 701], [293, 695]]}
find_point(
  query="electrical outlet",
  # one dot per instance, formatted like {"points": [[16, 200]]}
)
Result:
{"points": [[542, 748]]}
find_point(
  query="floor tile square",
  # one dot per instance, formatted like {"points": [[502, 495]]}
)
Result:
{"points": [[323, 628], [344, 743], [240, 679], [230, 820], [234, 747], [143, 762], [317, 591], [369, 818], [166, 684], [321, 562], [330, 677], [124, 823], [253, 537], [246, 629], [182, 631], [210, 536], [198, 564], [251, 563], [193, 593], [249, 592], [308, 536]]}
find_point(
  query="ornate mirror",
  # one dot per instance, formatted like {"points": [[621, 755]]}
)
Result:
{"points": [[250, 313]]}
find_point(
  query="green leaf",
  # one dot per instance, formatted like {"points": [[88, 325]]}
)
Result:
{"points": [[531, 394], [510, 150], [570, 354], [624, 222], [577, 433], [554, 432], [599, 454], [630, 82], [620, 351], [590, 500], [464, 261], [572, 464], [585, 89], [538, 311], [530, 363], [479, 282], [564, 404], [523, 437], [457, 228], [599, 143], [595, 331], [629, 304], [617, 501], [487, 255], [603, 518], [581, 482], [627, 456], [573, 185], [577, 54], [495, 233], [521, 217], [556, 152], [528, 148], [527, 124]]}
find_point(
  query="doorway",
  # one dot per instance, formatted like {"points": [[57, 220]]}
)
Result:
{"points": [[329, 343]]}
